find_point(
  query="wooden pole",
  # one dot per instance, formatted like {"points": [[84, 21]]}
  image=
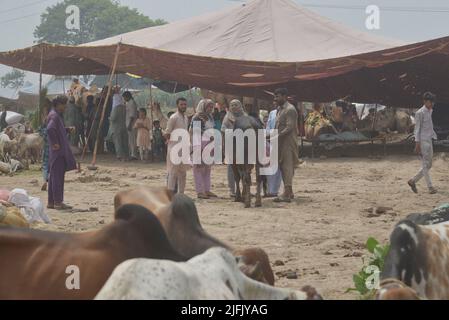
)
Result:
{"points": [[103, 111], [39, 108]]}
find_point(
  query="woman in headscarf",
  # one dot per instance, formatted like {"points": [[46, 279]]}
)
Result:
{"points": [[201, 172], [235, 110]]}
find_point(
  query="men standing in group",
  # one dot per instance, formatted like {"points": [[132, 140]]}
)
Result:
{"points": [[424, 134], [61, 158], [176, 172], [287, 135], [131, 117]]}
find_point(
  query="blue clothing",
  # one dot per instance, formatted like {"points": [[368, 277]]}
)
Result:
{"points": [[273, 181]]}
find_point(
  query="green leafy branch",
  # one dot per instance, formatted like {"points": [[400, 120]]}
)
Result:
{"points": [[376, 258]]}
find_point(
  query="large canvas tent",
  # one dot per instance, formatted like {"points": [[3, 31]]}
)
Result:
{"points": [[252, 48]]}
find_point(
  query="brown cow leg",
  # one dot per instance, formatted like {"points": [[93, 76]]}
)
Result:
{"points": [[259, 187], [238, 193], [247, 189]]}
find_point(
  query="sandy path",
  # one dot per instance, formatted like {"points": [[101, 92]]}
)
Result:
{"points": [[320, 235]]}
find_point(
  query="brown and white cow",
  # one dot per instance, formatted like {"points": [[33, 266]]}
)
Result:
{"points": [[179, 217], [418, 261], [36, 264]]}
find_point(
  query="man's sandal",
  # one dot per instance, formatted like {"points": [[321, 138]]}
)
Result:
{"points": [[62, 206]]}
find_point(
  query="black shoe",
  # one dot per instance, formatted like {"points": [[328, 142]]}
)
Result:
{"points": [[413, 186]]}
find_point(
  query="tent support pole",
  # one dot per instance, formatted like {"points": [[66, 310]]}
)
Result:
{"points": [[103, 111], [39, 108]]}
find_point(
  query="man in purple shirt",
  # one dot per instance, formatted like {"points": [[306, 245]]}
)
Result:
{"points": [[61, 158]]}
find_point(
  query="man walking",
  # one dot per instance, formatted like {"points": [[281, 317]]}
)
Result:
{"points": [[61, 158], [131, 117], [424, 134], [287, 126], [176, 172], [118, 131]]}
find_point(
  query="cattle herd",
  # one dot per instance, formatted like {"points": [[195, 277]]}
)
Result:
{"points": [[156, 248], [19, 146]]}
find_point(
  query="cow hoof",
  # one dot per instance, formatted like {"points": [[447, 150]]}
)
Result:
{"points": [[237, 199], [258, 204], [247, 205]]}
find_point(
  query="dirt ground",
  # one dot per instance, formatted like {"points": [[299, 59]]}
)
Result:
{"points": [[320, 235]]}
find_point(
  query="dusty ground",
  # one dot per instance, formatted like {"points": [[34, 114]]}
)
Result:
{"points": [[320, 235]]}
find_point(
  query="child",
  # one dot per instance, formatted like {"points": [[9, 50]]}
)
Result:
{"points": [[158, 140], [143, 126]]}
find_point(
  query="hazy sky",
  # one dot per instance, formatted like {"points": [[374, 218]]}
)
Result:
{"points": [[410, 20]]}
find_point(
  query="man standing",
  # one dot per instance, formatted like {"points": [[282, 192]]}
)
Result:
{"points": [[61, 158], [424, 134], [131, 117], [287, 126], [118, 131], [73, 118], [176, 172]]}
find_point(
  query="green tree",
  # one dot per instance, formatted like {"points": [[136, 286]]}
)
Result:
{"points": [[13, 79], [99, 19]]}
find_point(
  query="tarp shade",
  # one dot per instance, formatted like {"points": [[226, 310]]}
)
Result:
{"points": [[252, 49]]}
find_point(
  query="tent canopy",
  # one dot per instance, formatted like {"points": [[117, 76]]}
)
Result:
{"points": [[253, 48]]}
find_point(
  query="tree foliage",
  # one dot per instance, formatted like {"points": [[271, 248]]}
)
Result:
{"points": [[13, 79], [99, 19]]}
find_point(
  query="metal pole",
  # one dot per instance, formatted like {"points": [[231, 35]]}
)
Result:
{"points": [[103, 111]]}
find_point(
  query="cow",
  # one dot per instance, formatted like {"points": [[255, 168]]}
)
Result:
{"points": [[30, 147], [37, 264], [213, 275], [8, 146], [242, 171], [418, 259], [179, 218]]}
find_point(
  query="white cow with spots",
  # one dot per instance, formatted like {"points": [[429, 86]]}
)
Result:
{"points": [[418, 262], [213, 275]]}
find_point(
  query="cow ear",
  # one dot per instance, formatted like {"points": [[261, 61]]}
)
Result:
{"points": [[184, 207], [129, 211]]}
